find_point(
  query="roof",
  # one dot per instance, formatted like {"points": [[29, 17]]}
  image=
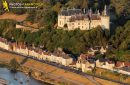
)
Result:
{"points": [[127, 64], [85, 56], [78, 17], [119, 63], [110, 62], [78, 14], [61, 54], [84, 17], [73, 63], [102, 60], [91, 61], [125, 69], [69, 12]]}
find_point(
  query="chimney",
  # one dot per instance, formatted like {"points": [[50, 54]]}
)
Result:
{"points": [[84, 10], [33, 46], [98, 13], [90, 13]]}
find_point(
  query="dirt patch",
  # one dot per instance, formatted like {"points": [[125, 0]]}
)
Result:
{"points": [[7, 57], [12, 16]]}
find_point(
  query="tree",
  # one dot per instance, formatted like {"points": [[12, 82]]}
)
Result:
{"points": [[84, 3], [50, 18], [57, 7], [14, 65], [121, 5]]}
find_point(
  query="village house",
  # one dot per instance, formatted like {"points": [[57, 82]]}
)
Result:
{"points": [[4, 44], [46, 56], [105, 63], [85, 65], [60, 57], [85, 62], [41, 54], [99, 49], [66, 60], [123, 67], [92, 51], [119, 64], [103, 50], [33, 52], [85, 56], [20, 48]]}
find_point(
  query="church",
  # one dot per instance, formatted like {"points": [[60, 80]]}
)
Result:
{"points": [[71, 19]]}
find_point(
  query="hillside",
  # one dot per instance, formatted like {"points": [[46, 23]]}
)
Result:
{"points": [[18, 18]]}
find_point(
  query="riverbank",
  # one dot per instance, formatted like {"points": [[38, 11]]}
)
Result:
{"points": [[57, 76], [18, 78], [3, 81]]}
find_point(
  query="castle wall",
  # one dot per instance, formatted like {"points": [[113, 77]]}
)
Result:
{"points": [[62, 20], [105, 22], [95, 23], [82, 24]]}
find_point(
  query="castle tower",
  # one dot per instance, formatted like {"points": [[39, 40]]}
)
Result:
{"points": [[105, 10], [105, 20]]}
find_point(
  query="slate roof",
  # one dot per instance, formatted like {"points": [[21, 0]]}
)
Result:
{"points": [[61, 54], [71, 12], [77, 14]]}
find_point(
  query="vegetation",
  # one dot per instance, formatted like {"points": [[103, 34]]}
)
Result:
{"points": [[14, 65], [112, 75], [24, 60], [121, 39], [3, 65], [76, 41], [121, 55]]}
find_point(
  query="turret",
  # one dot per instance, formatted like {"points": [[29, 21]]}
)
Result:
{"points": [[84, 11], [105, 10], [105, 20]]}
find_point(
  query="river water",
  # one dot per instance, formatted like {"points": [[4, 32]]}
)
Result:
{"points": [[21, 77]]}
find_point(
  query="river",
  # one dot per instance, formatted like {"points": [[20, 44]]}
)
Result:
{"points": [[16, 78]]}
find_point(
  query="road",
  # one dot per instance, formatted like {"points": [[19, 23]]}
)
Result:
{"points": [[88, 76]]}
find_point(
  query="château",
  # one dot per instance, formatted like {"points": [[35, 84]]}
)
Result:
{"points": [[71, 19]]}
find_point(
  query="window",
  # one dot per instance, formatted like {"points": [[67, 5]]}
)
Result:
{"points": [[69, 24], [60, 22], [73, 27]]}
